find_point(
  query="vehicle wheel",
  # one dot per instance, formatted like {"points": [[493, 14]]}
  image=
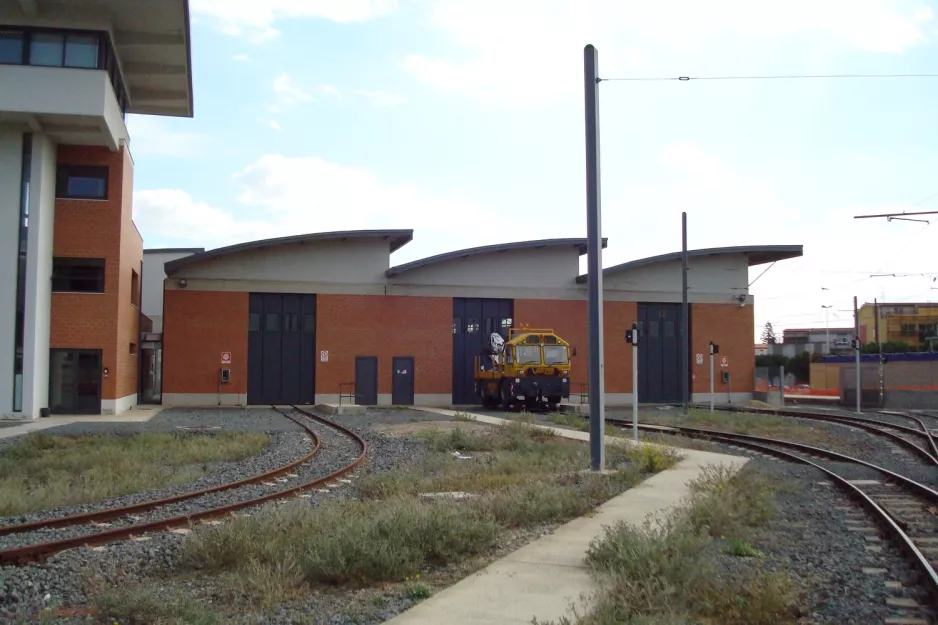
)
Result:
{"points": [[551, 406], [489, 402]]}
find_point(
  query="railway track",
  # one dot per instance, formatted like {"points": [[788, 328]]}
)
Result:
{"points": [[918, 440], [133, 527], [908, 518]]}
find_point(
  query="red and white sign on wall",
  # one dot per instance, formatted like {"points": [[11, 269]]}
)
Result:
{"points": [[724, 362], [226, 358]]}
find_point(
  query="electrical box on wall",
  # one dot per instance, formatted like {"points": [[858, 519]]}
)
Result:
{"points": [[726, 377], [225, 376]]}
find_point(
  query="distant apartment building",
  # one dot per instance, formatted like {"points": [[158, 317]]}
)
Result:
{"points": [[812, 340], [915, 324], [762, 349]]}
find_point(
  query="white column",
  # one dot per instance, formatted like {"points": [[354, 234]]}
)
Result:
{"points": [[39, 278], [11, 169]]}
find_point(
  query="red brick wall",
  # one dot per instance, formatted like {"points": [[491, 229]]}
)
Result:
{"points": [[197, 327], [128, 303], [94, 229], [730, 327], [385, 326]]}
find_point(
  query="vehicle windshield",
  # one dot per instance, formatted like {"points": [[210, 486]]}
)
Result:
{"points": [[528, 355], [555, 355]]}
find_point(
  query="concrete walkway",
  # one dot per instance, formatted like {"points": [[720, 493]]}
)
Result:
{"points": [[137, 415], [543, 578]]}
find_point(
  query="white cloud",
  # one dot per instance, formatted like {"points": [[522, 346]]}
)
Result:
{"points": [[154, 136], [240, 57], [294, 195], [254, 19], [727, 208], [381, 98], [331, 90], [287, 91], [527, 50], [274, 125]]}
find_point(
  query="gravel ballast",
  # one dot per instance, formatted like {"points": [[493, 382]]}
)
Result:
{"points": [[289, 442]]}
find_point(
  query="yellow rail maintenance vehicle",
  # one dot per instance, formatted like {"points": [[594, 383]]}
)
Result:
{"points": [[530, 369]]}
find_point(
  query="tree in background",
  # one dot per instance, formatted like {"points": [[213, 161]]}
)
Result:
{"points": [[768, 334]]}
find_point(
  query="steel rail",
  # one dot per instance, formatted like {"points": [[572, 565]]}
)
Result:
{"points": [[41, 551], [110, 514], [882, 516], [925, 429], [870, 425]]}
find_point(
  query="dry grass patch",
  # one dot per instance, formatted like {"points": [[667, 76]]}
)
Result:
{"points": [[43, 471], [773, 426], [663, 572], [519, 477]]}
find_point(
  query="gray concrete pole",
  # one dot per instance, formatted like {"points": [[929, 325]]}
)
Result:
{"points": [[635, 389], [711, 377], [594, 249], [856, 330], [685, 334]]}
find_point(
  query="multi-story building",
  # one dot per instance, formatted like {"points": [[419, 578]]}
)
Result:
{"points": [[816, 340], [70, 255], [915, 324]]}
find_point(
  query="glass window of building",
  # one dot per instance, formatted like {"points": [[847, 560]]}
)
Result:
{"points": [[81, 51], [46, 49], [11, 47]]}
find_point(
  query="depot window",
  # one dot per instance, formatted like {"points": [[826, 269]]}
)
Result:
{"points": [[78, 275], [82, 182]]}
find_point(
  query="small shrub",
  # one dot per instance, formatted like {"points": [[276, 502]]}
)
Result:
{"points": [[741, 549], [653, 458], [417, 590], [728, 504]]}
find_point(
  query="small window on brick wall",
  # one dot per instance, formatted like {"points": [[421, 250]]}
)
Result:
{"points": [[134, 288], [81, 182], [78, 275], [133, 349]]}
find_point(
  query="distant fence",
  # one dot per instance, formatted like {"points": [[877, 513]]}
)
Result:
{"points": [[905, 381]]}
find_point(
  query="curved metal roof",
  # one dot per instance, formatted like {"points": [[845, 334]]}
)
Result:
{"points": [[757, 254], [580, 244], [397, 238]]}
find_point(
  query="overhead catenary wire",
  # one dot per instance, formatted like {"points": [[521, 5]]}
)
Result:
{"points": [[766, 77]]}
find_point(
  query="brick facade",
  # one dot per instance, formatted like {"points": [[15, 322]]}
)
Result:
{"points": [[385, 326], [197, 327], [100, 229], [730, 327]]}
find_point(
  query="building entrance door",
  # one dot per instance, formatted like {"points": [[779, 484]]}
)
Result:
{"points": [[75, 381]]}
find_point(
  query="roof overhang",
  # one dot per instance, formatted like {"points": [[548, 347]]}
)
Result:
{"points": [[396, 239], [174, 250], [756, 255], [151, 37], [579, 244]]}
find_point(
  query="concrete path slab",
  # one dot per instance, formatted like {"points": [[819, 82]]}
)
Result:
{"points": [[545, 577], [137, 415]]}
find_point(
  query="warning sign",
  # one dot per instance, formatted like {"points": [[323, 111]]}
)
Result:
{"points": [[724, 362], [226, 358], [324, 355], [699, 359]]}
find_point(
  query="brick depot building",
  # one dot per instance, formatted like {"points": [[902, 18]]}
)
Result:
{"points": [[305, 319]]}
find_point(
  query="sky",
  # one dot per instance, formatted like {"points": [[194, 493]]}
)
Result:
{"points": [[463, 119]]}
